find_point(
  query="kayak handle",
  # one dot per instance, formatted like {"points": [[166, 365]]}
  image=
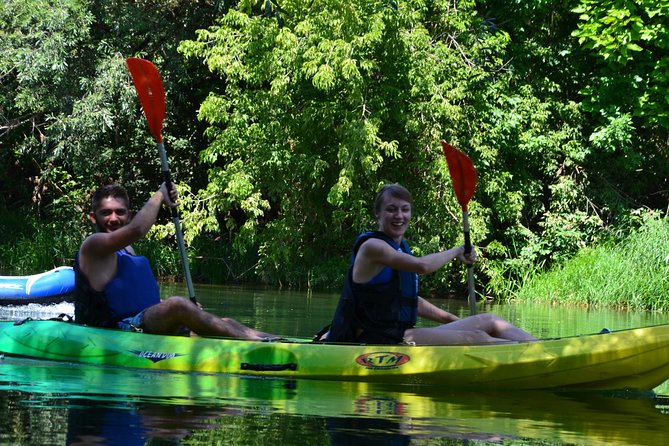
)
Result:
{"points": [[268, 367]]}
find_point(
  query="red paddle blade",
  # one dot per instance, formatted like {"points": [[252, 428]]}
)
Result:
{"points": [[151, 94], [463, 173]]}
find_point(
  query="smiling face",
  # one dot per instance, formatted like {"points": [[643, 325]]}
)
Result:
{"points": [[110, 208], [394, 217], [393, 210], [110, 214]]}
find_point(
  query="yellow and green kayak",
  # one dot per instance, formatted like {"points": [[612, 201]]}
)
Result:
{"points": [[626, 359]]}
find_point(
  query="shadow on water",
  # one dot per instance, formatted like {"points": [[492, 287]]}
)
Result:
{"points": [[98, 405]]}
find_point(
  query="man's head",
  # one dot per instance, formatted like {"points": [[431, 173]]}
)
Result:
{"points": [[110, 208]]}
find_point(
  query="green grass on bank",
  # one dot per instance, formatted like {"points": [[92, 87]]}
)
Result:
{"points": [[633, 274]]}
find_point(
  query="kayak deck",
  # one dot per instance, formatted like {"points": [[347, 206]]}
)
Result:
{"points": [[627, 359]]}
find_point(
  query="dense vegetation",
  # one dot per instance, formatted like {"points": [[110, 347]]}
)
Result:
{"points": [[284, 117], [629, 273]]}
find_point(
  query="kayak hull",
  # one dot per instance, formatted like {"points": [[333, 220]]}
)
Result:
{"points": [[55, 285], [634, 359]]}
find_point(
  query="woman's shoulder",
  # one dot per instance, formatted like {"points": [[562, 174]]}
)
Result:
{"points": [[375, 247]]}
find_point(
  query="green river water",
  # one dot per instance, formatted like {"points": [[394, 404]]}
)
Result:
{"points": [[47, 403]]}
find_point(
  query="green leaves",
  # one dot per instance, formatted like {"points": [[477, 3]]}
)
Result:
{"points": [[285, 117], [630, 40]]}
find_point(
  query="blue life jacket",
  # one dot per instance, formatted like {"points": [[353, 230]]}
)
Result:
{"points": [[380, 310], [133, 289]]}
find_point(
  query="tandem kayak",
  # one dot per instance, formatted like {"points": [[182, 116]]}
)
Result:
{"points": [[56, 285], [633, 359]]}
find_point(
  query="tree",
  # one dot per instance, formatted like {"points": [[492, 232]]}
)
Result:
{"points": [[314, 111], [313, 114], [40, 42], [626, 92], [631, 43], [69, 114]]}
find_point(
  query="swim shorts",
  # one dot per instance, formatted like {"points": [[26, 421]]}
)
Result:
{"points": [[134, 323]]}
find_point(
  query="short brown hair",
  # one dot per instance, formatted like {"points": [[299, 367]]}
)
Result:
{"points": [[109, 191], [394, 190]]}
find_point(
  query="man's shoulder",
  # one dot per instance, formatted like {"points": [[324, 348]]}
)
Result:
{"points": [[100, 245]]}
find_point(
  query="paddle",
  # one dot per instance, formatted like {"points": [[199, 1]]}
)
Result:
{"points": [[151, 95], [463, 175]]}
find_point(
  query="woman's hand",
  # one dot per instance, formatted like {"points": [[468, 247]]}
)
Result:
{"points": [[466, 258]]}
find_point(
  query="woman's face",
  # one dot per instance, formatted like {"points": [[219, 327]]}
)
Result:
{"points": [[394, 216]]}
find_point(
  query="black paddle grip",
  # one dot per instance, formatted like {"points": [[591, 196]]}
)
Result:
{"points": [[168, 180], [468, 243], [168, 183]]}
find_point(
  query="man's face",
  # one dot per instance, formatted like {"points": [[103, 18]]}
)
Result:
{"points": [[112, 213]]}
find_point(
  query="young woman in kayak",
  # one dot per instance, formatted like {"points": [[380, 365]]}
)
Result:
{"points": [[116, 288], [380, 302]]}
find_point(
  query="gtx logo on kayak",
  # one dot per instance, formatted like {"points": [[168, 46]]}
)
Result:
{"points": [[382, 360], [155, 356]]}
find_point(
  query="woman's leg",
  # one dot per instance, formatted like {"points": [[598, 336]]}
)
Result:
{"points": [[437, 336], [482, 328], [492, 324]]}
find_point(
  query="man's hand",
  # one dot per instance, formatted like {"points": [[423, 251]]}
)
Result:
{"points": [[171, 196]]}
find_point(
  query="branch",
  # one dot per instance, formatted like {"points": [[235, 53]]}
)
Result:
{"points": [[11, 124]]}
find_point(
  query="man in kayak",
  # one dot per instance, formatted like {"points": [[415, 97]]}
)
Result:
{"points": [[116, 288], [380, 302]]}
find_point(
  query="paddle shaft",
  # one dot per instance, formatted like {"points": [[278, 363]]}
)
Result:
{"points": [[151, 96], [470, 267], [464, 176], [177, 223]]}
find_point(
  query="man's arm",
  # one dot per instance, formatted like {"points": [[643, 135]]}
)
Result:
{"points": [[97, 254]]}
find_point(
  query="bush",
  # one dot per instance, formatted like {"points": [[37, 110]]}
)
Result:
{"points": [[632, 273]]}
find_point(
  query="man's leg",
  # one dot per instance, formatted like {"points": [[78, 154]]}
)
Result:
{"points": [[173, 313]]}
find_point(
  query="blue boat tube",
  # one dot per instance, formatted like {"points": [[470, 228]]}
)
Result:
{"points": [[50, 286]]}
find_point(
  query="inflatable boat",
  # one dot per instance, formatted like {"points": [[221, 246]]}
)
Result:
{"points": [[56, 285]]}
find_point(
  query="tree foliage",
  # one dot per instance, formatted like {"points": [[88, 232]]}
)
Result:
{"points": [[626, 96], [630, 41], [285, 117], [312, 116], [70, 119]]}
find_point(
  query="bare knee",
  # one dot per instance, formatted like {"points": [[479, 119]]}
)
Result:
{"points": [[488, 318], [178, 303], [168, 316], [177, 308], [490, 322]]}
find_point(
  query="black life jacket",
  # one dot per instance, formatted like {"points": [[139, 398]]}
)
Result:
{"points": [[377, 313]]}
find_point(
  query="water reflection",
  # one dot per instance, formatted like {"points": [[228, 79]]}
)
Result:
{"points": [[121, 406], [57, 403], [131, 424]]}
